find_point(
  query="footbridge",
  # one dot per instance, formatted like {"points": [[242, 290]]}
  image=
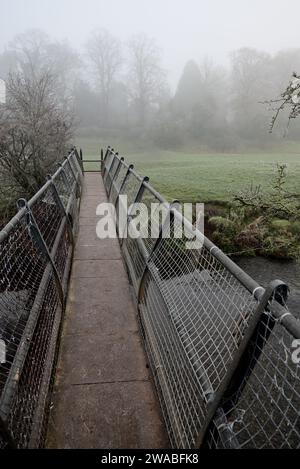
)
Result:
{"points": [[136, 341]]}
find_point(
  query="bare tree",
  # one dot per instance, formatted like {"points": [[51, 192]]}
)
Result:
{"points": [[36, 122], [35, 129], [29, 52], [146, 80], [250, 79], [33, 54], [289, 99], [104, 51]]}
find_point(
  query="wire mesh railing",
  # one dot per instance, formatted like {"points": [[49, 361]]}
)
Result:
{"points": [[219, 344], [36, 249]]}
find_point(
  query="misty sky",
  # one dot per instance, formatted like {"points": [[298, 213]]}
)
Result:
{"points": [[183, 28]]}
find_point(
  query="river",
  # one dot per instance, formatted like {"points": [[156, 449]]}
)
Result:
{"points": [[264, 270]]}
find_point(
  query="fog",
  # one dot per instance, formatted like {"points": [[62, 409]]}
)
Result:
{"points": [[190, 29], [171, 74]]}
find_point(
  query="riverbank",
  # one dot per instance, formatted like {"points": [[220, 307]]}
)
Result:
{"points": [[252, 234]]}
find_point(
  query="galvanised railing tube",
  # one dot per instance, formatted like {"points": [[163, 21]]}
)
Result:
{"points": [[78, 161], [41, 244], [138, 177], [67, 160], [4, 233], [154, 247], [101, 160], [79, 176], [64, 176], [62, 208], [70, 202], [120, 190], [81, 159], [79, 183], [286, 319], [115, 174], [22, 211], [106, 152], [72, 157], [108, 170], [156, 194], [110, 151], [239, 359]]}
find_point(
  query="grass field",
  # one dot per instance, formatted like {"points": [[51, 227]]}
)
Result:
{"points": [[205, 177]]}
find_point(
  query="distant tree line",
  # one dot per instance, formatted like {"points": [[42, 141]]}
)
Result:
{"points": [[114, 85], [52, 90], [220, 108]]}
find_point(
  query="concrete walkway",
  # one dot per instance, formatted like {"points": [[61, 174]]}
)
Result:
{"points": [[103, 396]]}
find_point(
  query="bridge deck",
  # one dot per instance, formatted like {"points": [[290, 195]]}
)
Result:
{"points": [[103, 395]]}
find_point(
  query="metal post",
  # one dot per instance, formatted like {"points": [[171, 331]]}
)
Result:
{"points": [[130, 167], [71, 169], [137, 199], [115, 155], [42, 247], [108, 149], [65, 178], [101, 160], [278, 291], [246, 353], [61, 207], [104, 160], [74, 176], [111, 174], [139, 194], [79, 158], [115, 175], [77, 164], [154, 247], [108, 152]]}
